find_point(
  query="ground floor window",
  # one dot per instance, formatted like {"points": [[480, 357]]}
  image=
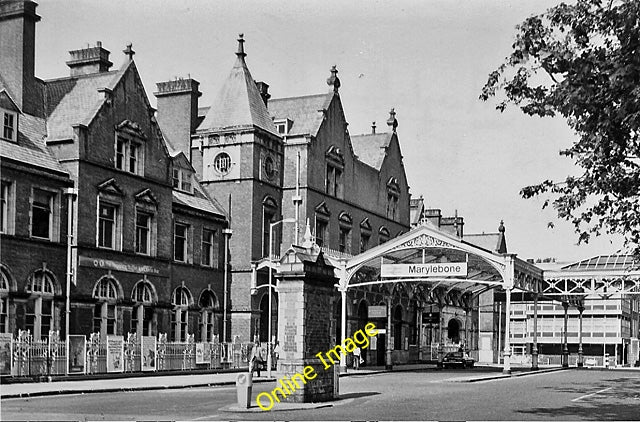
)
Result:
{"points": [[39, 316], [104, 319], [142, 320], [179, 324]]}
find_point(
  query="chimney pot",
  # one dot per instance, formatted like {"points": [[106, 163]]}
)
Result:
{"points": [[89, 60]]}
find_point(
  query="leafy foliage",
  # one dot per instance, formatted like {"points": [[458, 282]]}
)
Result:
{"points": [[582, 62]]}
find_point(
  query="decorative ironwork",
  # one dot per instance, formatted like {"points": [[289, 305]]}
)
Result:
{"points": [[425, 241], [162, 349], [586, 286], [21, 351], [188, 351]]}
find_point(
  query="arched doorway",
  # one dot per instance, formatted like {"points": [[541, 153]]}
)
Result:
{"points": [[264, 317], [397, 328], [453, 330]]}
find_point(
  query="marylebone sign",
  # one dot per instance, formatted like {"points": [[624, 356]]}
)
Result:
{"points": [[425, 270]]}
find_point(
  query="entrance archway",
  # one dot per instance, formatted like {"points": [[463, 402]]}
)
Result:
{"points": [[438, 269], [453, 330], [264, 317]]}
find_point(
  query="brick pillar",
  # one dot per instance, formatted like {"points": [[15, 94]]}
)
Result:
{"points": [[307, 294]]}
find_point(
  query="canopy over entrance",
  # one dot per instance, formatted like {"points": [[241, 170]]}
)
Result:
{"points": [[436, 267], [427, 245]]}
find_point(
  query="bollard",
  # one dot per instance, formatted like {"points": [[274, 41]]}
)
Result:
{"points": [[244, 383]]}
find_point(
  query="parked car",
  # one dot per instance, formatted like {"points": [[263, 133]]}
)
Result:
{"points": [[460, 359]]}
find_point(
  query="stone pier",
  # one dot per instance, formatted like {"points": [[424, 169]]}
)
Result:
{"points": [[306, 295]]}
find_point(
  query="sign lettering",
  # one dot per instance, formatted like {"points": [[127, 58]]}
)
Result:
{"points": [[425, 270]]}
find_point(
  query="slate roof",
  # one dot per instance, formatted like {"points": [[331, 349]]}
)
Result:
{"points": [[197, 202], [30, 148], [305, 112], [493, 242], [238, 104], [371, 148], [76, 100]]}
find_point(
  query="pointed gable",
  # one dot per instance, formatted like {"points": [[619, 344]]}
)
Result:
{"points": [[110, 187], [147, 197], [238, 104]]}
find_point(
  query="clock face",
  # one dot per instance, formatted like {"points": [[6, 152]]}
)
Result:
{"points": [[269, 167]]}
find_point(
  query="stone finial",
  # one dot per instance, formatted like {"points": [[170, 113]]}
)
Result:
{"points": [[129, 51], [240, 53], [373, 128], [392, 122], [307, 239], [333, 80], [501, 226]]}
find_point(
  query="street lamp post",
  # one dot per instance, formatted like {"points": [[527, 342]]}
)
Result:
{"points": [[71, 194], [271, 226]]}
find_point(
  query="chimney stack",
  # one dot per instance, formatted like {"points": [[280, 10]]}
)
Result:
{"points": [[89, 60], [263, 88], [17, 52], [178, 111]]}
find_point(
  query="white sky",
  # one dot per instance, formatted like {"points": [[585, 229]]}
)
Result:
{"points": [[428, 59]]}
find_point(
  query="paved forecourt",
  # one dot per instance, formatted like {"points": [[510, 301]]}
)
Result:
{"points": [[424, 394]]}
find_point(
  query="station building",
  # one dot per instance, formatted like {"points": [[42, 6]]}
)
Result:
{"points": [[85, 165], [283, 166]]}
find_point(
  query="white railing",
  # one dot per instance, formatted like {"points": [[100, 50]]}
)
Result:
{"points": [[23, 356]]}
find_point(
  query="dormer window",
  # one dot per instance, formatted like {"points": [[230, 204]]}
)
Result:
{"points": [[182, 180], [393, 195], [129, 155], [9, 126], [333, 177], [283, 126], [129, 148]]}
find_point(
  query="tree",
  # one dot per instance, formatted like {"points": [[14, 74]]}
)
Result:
{"points": [[582, 62]]}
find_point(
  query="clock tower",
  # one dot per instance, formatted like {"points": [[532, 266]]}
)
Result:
{"points": [[239, 155]]}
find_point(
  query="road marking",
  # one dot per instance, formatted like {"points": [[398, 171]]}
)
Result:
{"points": [[592, 394], [207, 418]]}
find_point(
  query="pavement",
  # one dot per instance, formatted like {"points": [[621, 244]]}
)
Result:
{"points": [[86, 386]]}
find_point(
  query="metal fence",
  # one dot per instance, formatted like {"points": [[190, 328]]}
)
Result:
{"points": [[23, 356]]}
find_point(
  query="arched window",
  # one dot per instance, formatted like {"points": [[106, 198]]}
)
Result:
{"points": [[181, 300], [142, 317], [269, 211], [209, 315], [4, 301], [40, 307], [105, 311]]}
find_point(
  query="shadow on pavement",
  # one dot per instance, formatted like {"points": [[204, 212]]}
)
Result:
{"points": [[601, 412], [620, 400], [358, 395]]}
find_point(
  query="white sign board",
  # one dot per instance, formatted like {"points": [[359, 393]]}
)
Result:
{"points": [[425, 270], [377, 311]]}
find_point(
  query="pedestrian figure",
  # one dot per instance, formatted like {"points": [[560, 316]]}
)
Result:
{"points": [[255, 363], [276, 354], [356, 358]]}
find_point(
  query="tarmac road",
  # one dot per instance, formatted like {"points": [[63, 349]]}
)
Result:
{"points": [[422, 395]]}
